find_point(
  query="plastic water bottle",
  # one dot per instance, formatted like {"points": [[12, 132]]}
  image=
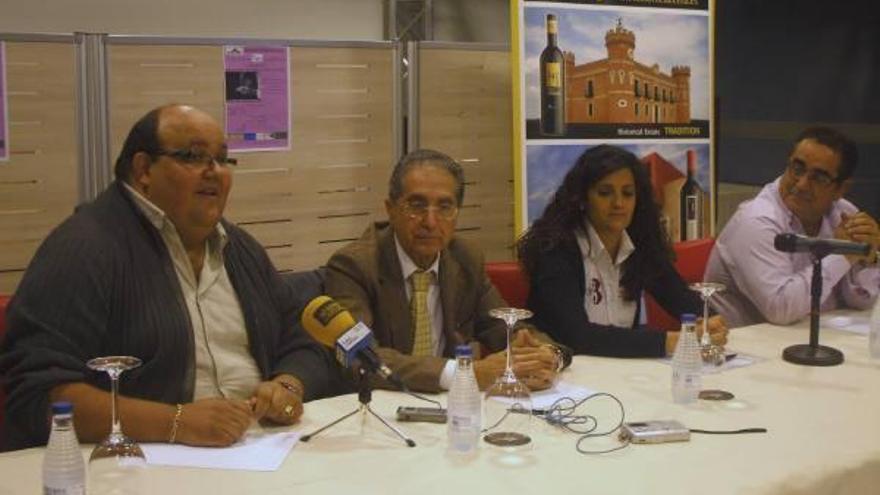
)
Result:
{"points": [[687, 363], [64, 471], [464, 418], [874, 332]]}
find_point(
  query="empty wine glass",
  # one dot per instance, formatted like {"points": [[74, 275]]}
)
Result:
{"points": [[115, 461], [712, 353], [508, 400]]}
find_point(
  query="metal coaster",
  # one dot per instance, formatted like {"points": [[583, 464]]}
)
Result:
{"points": [[507, 439], [715, 395]]}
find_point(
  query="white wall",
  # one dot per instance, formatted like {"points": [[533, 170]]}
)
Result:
{"points": [[291, 19]]}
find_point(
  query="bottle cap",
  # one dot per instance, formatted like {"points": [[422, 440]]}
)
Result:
{"points": [[688, 318], [464, 350], [63, 407]]}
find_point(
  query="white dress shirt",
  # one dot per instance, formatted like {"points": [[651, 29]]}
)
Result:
{"points": [[224, 366], [603, 298]]}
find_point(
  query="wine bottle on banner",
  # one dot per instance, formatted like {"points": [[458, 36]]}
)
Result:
{"points": [[552, 83], [691, 202]]}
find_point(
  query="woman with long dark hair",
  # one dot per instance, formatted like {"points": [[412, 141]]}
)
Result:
{"points": [[597, 247]]}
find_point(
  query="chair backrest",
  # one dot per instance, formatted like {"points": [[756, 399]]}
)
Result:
{"points": [[306, 285], [510, 280], [691, 258], [4, 300]]}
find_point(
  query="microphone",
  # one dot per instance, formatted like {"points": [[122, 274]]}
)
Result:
{"points": [[332, 325], [794, 243]]}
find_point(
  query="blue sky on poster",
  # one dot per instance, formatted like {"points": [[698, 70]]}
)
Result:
{"points": [[663, 37], [548, 164]]}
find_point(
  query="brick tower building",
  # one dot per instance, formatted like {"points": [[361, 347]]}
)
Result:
{"points": [[618, 89]]}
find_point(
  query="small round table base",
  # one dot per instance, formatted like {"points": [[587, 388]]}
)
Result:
{"points": [[812, 356]]}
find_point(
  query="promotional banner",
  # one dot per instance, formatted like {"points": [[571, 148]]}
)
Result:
{"points": [[632, 73], [257, 98], [4, 127]]}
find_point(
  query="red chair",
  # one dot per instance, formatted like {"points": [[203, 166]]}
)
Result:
{"points": [[690, 261], [510, 280], [4, 300]]}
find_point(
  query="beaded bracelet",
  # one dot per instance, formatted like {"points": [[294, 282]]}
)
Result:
{"points": [[175, 423]]}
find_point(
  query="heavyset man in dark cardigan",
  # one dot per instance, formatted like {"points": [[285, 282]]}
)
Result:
{"points": [[150, 269]]}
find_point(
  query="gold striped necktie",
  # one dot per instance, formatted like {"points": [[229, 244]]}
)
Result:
{"points": [[418, 308]]}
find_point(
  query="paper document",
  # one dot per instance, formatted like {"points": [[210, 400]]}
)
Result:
{"points": [[860, 324], [543, 399], [734, 360], [258, 451]]}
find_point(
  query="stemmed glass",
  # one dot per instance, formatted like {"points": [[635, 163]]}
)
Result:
{"points": [[111, 460], [712, 353], [508, 400]]}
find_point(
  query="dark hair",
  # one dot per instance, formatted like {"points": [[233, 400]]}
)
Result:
{"points": [[839, 143], [420, 158], [567, 209], [143, 136]]}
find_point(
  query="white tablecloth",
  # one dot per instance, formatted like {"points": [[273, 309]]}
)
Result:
{"points": [[824, 438]]}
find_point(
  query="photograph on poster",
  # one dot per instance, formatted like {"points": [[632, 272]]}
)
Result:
{"points": [[615, 72], [679, 174], [242, 85]]}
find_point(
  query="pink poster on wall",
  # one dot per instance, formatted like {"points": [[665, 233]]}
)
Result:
{"points": [[4, 128], [257, 98]]}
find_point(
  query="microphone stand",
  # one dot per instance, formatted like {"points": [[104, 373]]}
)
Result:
{"points": [[365, 394], [813, 354]]}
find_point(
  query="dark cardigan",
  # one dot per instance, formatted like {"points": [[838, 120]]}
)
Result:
{"points": [[556, 296], [103, 283]]}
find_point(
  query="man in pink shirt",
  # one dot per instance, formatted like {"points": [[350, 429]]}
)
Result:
{"points": [[764, 284]]}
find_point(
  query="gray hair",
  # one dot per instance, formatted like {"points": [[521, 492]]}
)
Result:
{"points": [[425, 158]]}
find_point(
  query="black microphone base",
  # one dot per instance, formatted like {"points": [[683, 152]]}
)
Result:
{"points": [[808, 355]]}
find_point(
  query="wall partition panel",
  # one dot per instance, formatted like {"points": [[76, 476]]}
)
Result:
{"points": [[304, 203], [39, 183], [463, 108]]}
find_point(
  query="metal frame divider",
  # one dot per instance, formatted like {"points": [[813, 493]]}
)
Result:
{"points": [[92, 100]]}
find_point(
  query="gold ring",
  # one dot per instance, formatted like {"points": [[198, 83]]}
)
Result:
{"points": [[288, 410]]}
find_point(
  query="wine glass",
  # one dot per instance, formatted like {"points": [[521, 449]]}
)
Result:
{"points": [[116, 459], [712, 353], [508, 400]]}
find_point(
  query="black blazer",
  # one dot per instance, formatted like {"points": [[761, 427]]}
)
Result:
{"points": [[556, 296]]}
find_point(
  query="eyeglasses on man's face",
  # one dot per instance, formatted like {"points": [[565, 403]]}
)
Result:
{"points": [[197, 159], [798, 169], [417, 209]]}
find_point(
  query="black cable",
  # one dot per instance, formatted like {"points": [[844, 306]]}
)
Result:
{"points": [[406, 390], [562, 415], [730, 432]]}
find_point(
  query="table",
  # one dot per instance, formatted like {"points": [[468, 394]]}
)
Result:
{"points": [[824, 438]]}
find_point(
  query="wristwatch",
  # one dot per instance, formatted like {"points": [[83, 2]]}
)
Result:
{"points": [[563, 357]]}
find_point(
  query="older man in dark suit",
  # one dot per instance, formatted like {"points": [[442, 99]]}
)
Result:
{"points": [[423, 291]]}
